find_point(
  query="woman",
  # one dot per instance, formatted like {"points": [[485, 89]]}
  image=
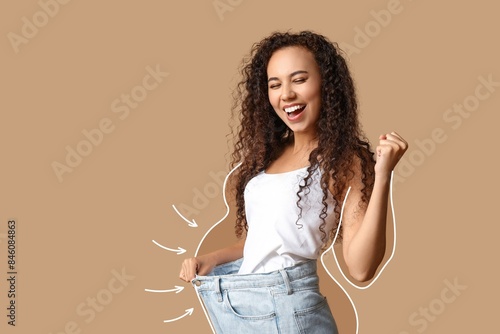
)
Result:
{"points": [[301, 147]]}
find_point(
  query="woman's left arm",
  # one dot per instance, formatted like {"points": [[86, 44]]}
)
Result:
{"points": [[364, 227]]}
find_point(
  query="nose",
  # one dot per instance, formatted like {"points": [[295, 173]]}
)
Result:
{"points": [[287, 92]]}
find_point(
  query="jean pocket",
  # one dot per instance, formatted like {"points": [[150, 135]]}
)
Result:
{"points": [[316, 317], [250, 304]]}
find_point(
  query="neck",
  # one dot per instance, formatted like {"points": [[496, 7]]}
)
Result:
{"points": [[304, 142]]}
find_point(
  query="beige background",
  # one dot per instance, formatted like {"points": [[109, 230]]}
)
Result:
{"points": [[75, 235]]}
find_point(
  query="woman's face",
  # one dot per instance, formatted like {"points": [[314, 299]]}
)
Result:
{"points": [[294, 88]]}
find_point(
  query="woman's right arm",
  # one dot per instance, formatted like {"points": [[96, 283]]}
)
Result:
{"points": [[204, 264]]}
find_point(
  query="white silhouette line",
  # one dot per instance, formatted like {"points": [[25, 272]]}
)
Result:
{"points": [[328, 272], [202, 239], [337, 262], [392, 253], [225, 203], [322, 255]]}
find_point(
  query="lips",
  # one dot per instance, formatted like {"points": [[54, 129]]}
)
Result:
{"points": [[293, 111]]}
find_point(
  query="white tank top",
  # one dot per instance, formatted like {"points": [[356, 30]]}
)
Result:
{"points": [[275, 238]]}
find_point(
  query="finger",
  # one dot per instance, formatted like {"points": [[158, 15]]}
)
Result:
{"points": [[394, 133], [394, 137], [193, 269], [402, 144], [391, 144], [189, 272], [203, 270], [182, 274]]}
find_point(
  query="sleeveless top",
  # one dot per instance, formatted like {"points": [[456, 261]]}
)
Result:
{"points": [[275, 238]]}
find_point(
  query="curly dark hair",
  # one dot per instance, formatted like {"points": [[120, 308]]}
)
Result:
{"points": [[259, 135]]}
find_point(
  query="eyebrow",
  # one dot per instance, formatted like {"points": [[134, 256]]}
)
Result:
{"points": [[291, 75]]}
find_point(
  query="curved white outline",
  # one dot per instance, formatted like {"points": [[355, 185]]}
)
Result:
{"points": [[202, 239], [337, 262], [322, 255], [227, 208]]}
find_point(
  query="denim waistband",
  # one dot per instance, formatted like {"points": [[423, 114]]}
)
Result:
{"points": [[225, 277]]}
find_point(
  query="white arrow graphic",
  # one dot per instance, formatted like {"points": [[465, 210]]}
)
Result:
{"points": [[189, 311], [227, 213], [202, 239], [179, 250], [191, 223], [177, 289]]}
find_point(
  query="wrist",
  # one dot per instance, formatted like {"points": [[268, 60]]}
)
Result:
{"points": [[209, 259], [383, 177]]}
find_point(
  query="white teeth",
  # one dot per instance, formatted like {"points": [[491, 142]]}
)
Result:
{"points": [[292, 109]]}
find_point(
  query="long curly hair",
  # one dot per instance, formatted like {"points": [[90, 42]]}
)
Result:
{"points": [[259, 135]]}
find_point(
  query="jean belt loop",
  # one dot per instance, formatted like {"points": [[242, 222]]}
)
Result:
{"points": [[218, 289], [286, 279]]}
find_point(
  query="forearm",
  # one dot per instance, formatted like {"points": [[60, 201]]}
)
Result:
{"points": [[367, 247], [226, 254], [203, 264]]}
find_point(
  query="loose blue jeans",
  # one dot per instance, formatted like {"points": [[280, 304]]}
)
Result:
{"points": [[285, 301]]}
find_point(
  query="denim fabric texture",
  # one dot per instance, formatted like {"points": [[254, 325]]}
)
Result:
{"points": [[286, 301]]}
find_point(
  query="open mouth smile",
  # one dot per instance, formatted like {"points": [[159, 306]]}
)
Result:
{"points": [[293, 112]]}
